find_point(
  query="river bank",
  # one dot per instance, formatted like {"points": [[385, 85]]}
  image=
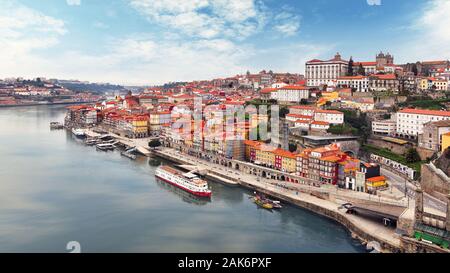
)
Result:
{"points": [[44, 104], [363, 229]]}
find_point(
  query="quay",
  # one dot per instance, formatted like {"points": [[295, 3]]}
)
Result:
{"points": [[140, 145], [321, 200]]}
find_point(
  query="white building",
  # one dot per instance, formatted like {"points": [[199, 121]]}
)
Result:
{"points": [[359, 83], [329, 116], [292, 93], [369, 67], [278, 85], [305, 113], [384, 127], [410, 121], [320, 72], [302, 110]]}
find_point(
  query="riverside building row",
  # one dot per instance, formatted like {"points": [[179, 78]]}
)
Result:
{"points": [[326, 165]]}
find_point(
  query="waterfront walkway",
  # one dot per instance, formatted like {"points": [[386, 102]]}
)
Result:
{"points": [[364, 228]]}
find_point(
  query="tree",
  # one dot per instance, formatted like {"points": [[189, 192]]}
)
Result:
{"points": [[292, 147], [412, 155], [284, 111], [154, 143], [414, 69], [361, 70], [350, 67]]}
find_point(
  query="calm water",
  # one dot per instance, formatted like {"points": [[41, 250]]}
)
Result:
{"points": [[53, 189]]}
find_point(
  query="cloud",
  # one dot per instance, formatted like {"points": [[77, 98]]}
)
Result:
{"points": [[23, 30], [287, 23], [73, 2], [430, 37], [216, 46], [210, 19]]}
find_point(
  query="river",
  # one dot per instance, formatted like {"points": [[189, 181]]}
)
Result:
{"points": [[54, 189]]}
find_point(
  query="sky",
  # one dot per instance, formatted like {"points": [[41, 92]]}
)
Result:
{"points": [[147, 42]]}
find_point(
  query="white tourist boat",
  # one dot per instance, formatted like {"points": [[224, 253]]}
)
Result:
{"points": [[186, 181], [80, 133]]}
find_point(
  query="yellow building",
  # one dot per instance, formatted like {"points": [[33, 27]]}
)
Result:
{"points": [[139, 126], [376, 183], [265, 156], [288, 163], [423, 84], [445, 141]]}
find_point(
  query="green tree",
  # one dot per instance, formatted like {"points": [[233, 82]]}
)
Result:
{"points": [[414, 69], [284, 111], [292, 147], [154, 143], [350, 67], [361, 70], [412, 155]]}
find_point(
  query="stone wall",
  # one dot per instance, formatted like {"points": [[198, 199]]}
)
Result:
{"points": [[435, 182], [425, 153], [393, 147]]}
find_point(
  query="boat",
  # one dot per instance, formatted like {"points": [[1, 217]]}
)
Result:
{"points": [[265, 200], [54, 125], [189, 182], [129, 155], [78, 133], [91, 141], [262, 203], [105, 146]]}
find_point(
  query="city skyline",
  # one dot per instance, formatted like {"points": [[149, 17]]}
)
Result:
{"points": [[135, 43]]}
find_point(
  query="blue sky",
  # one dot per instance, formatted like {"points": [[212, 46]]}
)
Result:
{"points": [[155, 41]]}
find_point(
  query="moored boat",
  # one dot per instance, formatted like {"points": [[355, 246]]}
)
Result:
{"points": [[54, 125], [186, 181], [266, 202], [78, 133], [262, 203]]}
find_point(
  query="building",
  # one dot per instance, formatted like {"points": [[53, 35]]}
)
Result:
{"points": [[251, 147], [369, 67], [374, 181], [285, 161], [323, 164], [431, 137], [320, 72], [157, 120], [265, 156], [312, 114], [358, 83], [445, 142], [384, 82], [386, 127], [291, 94], [384, 59], [410, 122], [329, 116], [375, 184], [302, 110]]}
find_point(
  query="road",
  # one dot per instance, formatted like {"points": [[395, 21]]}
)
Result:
{"points": [[400, 183]]}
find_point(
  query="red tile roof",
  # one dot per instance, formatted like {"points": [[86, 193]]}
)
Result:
{"points": [[425, 112]]}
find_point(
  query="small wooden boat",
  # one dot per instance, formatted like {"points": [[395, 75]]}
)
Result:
{"points": [[262, 203]]}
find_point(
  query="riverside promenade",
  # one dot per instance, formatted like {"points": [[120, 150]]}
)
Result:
{"points": [[304, 196]]}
